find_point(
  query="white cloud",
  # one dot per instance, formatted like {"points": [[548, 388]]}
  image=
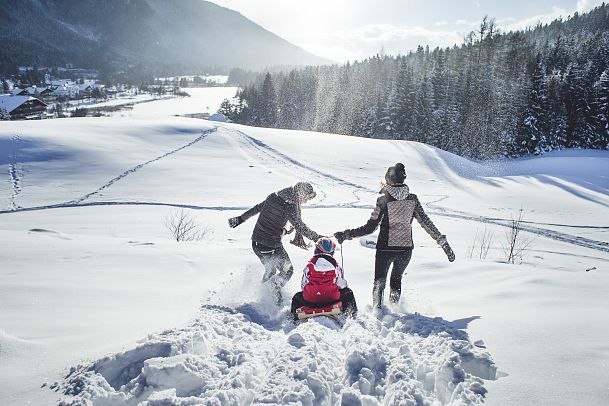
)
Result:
{"points": [[441, 23], [514, 25], [509, 24], [393, 33], [587, 5], [368, 40], [467, 23]]}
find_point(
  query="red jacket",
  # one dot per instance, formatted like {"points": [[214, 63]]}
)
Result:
{"points": [[322, 279]]}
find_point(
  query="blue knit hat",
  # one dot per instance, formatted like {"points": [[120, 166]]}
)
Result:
{"points": [[324, 246]]}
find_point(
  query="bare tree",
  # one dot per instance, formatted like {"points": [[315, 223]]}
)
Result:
{"points": [[183, 226], [516, 243], [482, 244]]}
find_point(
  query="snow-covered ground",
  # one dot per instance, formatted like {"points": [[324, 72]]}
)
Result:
{"points": [[91, 280], [201, 100], [218, 79]]}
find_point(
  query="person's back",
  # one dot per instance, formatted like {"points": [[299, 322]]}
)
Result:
{"points": [[322, 280]]}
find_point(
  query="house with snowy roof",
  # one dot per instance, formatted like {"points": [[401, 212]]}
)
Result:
{"points": [[85, 89], [67, 90], [23, 107], [43, 93], [19, 92]]}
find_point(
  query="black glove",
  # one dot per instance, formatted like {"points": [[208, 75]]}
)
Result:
{"points": [[287, 231], [442, 242], [342, 236], [235, 221], [300, 242]]}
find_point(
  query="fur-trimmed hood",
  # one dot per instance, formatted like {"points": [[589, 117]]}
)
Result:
{"points": [[288, 195], [398, 192], [301, 192]]}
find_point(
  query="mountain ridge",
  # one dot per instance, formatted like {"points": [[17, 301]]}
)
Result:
{"points": [[119, 34]]}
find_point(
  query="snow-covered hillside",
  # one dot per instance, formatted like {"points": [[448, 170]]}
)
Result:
{"points": [[99, 304]]}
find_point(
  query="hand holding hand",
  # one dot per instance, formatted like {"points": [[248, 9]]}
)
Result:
{"points": [[300, 242], [287, 231], [235, 221], [342, 236]]}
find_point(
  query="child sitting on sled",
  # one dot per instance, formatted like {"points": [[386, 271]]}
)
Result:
{"points": [[323, 282]]}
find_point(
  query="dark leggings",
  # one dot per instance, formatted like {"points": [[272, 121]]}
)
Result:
{"points": [[383, 261], [278, 268]]}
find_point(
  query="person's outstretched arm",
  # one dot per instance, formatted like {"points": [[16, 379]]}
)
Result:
{"points": [[368, 228], [295, 219], [235, 221], [432, 230], [425, 221]]}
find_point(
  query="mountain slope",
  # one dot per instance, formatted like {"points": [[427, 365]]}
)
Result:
{"points": [[191, 33], [91, 277]]}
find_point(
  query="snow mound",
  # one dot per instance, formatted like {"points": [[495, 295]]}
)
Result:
{"points": [[218, 117], [232, 356], [11, 346]]}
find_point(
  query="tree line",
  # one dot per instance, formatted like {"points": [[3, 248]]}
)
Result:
{"points": [[497, 94]]}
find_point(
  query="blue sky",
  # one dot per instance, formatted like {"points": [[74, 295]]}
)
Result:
{"points": [[343, 30]]}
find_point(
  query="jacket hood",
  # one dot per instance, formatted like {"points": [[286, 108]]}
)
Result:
{"points": [[398, 192], [297, 194], [288, 195]]}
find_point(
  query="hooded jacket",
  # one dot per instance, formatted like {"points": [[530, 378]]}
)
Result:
{"points": [[275, 211], [394, 212], [322, 280]]}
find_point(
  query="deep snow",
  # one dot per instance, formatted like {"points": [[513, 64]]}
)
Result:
{"points": [[88, 271]]}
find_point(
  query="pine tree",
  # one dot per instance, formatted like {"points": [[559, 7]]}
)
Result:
{"points": [[4, 115], [268, 103], [601, 111], [288, 105], [227, 109]]}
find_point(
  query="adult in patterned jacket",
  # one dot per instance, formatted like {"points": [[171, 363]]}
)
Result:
{"points": [[394, 212], [275, 211], [323, 281]]}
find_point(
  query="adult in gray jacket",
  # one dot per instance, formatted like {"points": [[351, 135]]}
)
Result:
{"points": [[275, 211], [394, 212]]}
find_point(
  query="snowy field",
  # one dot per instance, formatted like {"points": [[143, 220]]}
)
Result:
{"points": [[201, 100], [99, 305]]}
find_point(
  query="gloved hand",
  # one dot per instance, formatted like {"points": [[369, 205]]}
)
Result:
{"points": [[342, 236], [300, 242], [235, 221], [442, 242], [287, 231]]}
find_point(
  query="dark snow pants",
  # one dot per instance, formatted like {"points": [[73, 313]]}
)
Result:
{"points": [[346, 296], [384, 259], [278, 268]]}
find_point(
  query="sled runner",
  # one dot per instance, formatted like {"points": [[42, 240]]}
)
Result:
{"points": [[332, 310]]}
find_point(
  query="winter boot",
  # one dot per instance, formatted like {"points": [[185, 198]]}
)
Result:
{"points": [[394, 295], [377, 293]]}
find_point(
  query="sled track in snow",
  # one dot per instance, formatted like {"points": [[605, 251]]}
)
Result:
{"points": [[138, 167], [530, 227], [283, 159], [233, 357], [555, 235]]}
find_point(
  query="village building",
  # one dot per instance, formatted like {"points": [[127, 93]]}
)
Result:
{"points": [[23, 107]]}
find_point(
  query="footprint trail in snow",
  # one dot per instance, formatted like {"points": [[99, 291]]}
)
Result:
{"points": [[233, 356]]}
